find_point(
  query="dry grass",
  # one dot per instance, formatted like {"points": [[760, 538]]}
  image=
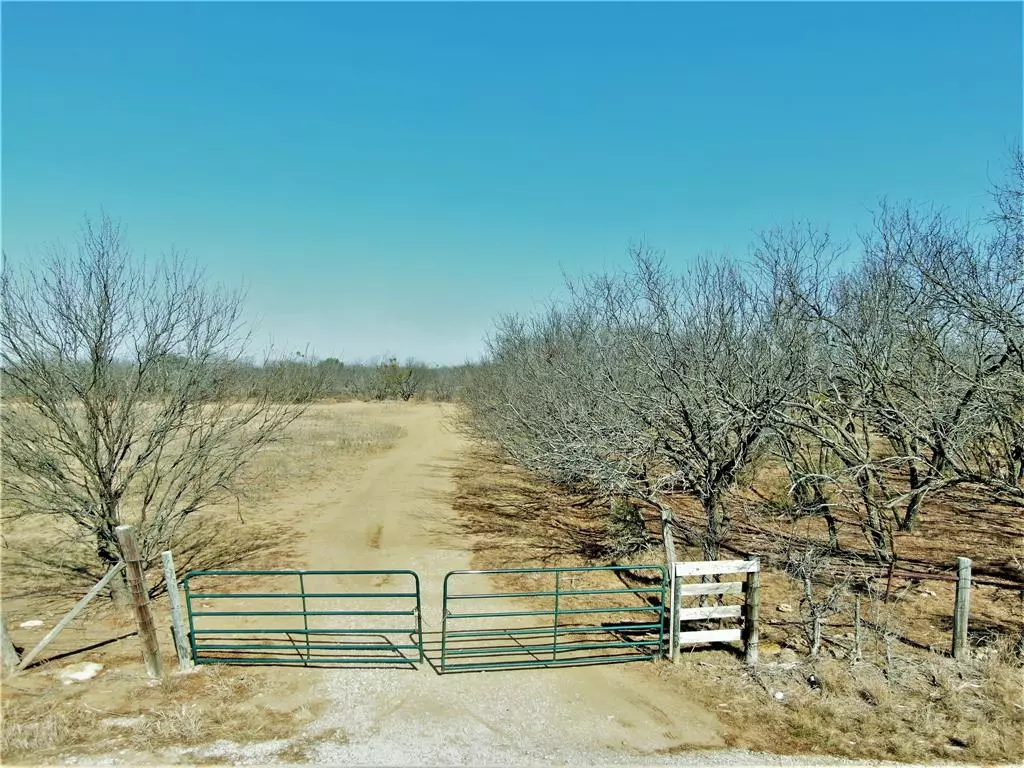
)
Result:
{"points": [[901, 701], [925, 708], [315, 443], [183, 711]]}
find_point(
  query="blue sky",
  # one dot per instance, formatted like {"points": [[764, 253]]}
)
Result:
{"points": [[389, 177]]}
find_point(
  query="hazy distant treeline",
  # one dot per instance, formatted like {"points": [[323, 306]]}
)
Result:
{"points": [[384, 379], [300, 377]]}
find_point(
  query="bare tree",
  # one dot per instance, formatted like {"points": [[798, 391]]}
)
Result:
{"points": [[125, 399], [703, 362], [647, 385], [893, 380]]}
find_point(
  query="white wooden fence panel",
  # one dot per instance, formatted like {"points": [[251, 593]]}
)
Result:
{"points": [[708, 567], [710, 636], [711, 612], [714, 588]]}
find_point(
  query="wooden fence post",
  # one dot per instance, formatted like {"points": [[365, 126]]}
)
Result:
{"points": [[751, 636], [961, 650], [140, 600], [674, 601], [177, 622], [75, 610]]}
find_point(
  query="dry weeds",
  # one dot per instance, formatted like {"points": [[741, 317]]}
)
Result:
{"points": [[183, 711]]}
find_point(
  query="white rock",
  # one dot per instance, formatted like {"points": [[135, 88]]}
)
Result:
{"points": [[779, 695], [784, 608], [31, 624], [78, 673]]}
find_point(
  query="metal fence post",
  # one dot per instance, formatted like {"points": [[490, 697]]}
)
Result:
{"points": [[675, 600]]}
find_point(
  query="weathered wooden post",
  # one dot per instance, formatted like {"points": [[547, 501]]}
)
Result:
{"points": [[140, 600], [10, 653], [961, 650], [177, 622], [751, 636]]}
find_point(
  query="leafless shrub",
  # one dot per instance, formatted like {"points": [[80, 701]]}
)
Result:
{"points": [[825, 590], [627, 529], [130, 404]]}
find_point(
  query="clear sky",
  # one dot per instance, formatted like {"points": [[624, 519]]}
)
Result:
{"points": [[389, 177]]}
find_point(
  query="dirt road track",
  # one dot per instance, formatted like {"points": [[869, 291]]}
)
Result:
{"points": [[388, 516]]}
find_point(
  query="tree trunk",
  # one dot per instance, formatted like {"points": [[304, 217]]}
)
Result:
{"points": [[916, 482], [872, 525], [715, 527], [816, 636], [110, 555], [820, 505], [833, 531], [9, 652], [909, 520]]}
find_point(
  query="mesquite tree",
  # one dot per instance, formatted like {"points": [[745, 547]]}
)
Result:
{"points": [[646, 384], [125, 403]]}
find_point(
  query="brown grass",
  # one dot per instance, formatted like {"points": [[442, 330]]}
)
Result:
{"points": [[901, 701], [923, 709], [184, 711]]}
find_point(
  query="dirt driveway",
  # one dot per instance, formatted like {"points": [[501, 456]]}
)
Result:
{"points": [[390, 515]]}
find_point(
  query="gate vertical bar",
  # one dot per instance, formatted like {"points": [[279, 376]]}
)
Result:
{"points": [[305, 613], [419, 617], [554, 629], [444, 619], [191, 621], [661, 616]]}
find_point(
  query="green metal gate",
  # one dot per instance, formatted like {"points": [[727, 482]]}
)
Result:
{"points": [[585, 617], [318, 617]]}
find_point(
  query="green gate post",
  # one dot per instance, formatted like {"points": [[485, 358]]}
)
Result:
{"points": [[191, 621], [305, 614], [444, 620], [419, 618], [554, 632]]}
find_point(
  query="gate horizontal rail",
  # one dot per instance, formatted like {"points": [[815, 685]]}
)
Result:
{"points": [[558, 643], [354, 636]]}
